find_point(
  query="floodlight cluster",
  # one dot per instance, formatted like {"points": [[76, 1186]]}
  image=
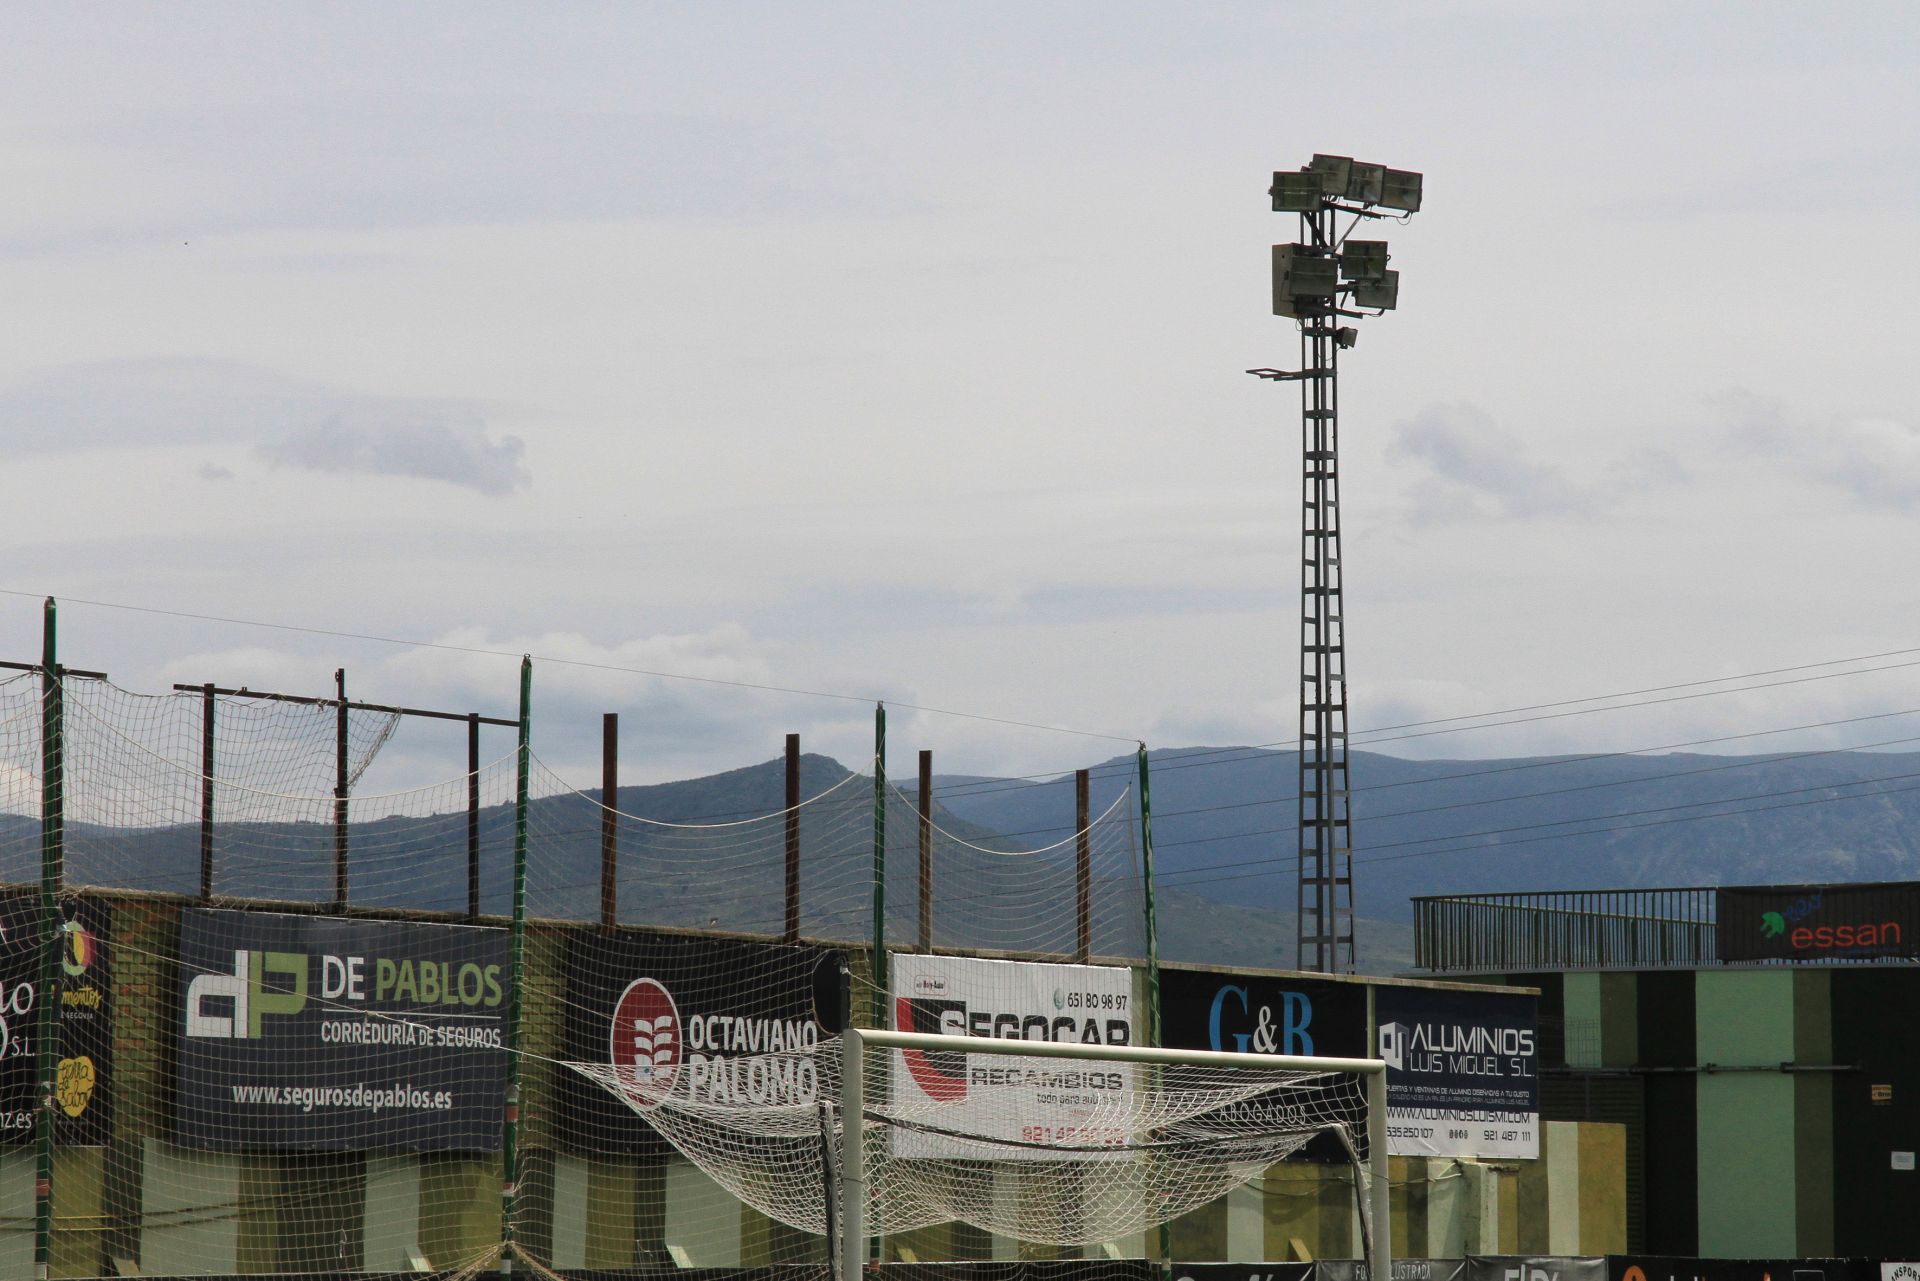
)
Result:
{"points": [[1313, 277]]}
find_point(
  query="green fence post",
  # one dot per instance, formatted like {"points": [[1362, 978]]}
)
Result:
{"points": [[52, 854], [516, 1000], [880, 865]]}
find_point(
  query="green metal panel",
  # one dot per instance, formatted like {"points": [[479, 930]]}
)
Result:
{"points": [[1813, 1111], [1748, 1203]]}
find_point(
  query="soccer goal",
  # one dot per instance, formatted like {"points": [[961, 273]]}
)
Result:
{"points": [[1068, 1144]]}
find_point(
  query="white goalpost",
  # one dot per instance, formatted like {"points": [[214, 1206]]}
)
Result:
{"points": [[1079, 1150]]}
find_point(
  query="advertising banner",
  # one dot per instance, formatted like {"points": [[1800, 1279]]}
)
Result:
{"points": [[722, 1021], [1816, 922], [83, 992], [1252, 1272], [317, 1032], [1535, 1267], [1643, 1267], [1257, 1014], [1403, 1270], [1462, 1072], [1023, 1100]]}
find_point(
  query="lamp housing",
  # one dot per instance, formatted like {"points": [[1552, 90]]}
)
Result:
{"points": [[1304, 283], [1382, 294], [1334, 171], [1364, 182], [1363, 259], [1400, 190], [1296, 192]]}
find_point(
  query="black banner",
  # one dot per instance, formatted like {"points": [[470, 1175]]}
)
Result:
{"points": [[1403, 1270], [83, 1080], [1647, 1267], [1463, 1071], [674, 1012], [314, 1032], [1253, 1272], [1250, 1014], [1817, 922], [1535, 1267]]}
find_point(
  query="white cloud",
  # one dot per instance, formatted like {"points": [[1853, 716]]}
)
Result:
{"points": [[1474, 470], [420, 448]]}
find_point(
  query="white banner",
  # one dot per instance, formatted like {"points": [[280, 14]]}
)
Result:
{"points": [[1019, 1100]]}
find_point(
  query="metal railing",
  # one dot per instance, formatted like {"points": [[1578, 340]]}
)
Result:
{"points": [[1565, 929]]}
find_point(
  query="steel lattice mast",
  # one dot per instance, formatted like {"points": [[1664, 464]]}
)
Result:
{"points": [[1317, 281]]}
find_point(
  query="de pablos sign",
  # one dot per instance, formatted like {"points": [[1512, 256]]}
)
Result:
{"points": [[311, 1032]]}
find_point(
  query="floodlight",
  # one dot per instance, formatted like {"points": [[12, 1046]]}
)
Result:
{"points": [[1297, 192], [1302, 281], [1346, 336], [1363, 259], [1383, 293], [1364, 182], [1400, 190], [1334, 173]]}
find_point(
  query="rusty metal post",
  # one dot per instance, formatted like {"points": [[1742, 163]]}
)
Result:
{"points": [[926, 851], [473, 816], [1082, 865], [206, 793], [610, 819], [792, 934], [340, 793]]}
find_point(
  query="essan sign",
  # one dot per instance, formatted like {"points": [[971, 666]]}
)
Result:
{"points": [[1818, 922]]}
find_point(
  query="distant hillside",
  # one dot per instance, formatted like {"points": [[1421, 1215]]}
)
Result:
{"points": [[1223, 829], [1223, 817], [708, 874]]}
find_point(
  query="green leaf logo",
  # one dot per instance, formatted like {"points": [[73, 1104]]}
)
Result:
{"points": [[1773, 925]]}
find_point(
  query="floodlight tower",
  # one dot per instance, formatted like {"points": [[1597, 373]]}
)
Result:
{"points": [[1323, 278]]}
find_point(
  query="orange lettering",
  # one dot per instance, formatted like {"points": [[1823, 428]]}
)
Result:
{"points": [[1801, 937]]}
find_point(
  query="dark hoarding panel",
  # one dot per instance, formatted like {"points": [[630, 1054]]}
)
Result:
{"points": [[1653, 1267], [663, 1005], [1403, 1270], [1463, 1071], [1535, 1267], [83, 992], [1208, 1010], [1817, 922], [313, 1032]]}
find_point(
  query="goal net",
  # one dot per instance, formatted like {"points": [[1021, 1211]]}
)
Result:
{"points": [[1069, 1148]]}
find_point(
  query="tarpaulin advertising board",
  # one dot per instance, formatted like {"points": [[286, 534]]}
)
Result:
{"points": [[317, 1032], [1646, 1267], [1258, 1014], [1463, 1072], [1534, 1267], [83, 996], [1403, 1270], [1816, 922], [721, 1021], [1027, 1101], [1250, 1272]]}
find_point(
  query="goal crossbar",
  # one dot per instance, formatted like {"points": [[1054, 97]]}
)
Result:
{"points": [[854, 1043]]}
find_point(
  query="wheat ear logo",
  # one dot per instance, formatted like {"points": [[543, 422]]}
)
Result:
{"points": [[1773, 925]]}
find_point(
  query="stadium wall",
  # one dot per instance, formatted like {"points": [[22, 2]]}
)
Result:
{"points": [[141, 1201]]}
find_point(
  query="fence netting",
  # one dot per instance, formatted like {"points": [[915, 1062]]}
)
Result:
{"points": [[283, 1012]]}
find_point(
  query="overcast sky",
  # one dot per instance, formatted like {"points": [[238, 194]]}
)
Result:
{"points": [[896, 350]]}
